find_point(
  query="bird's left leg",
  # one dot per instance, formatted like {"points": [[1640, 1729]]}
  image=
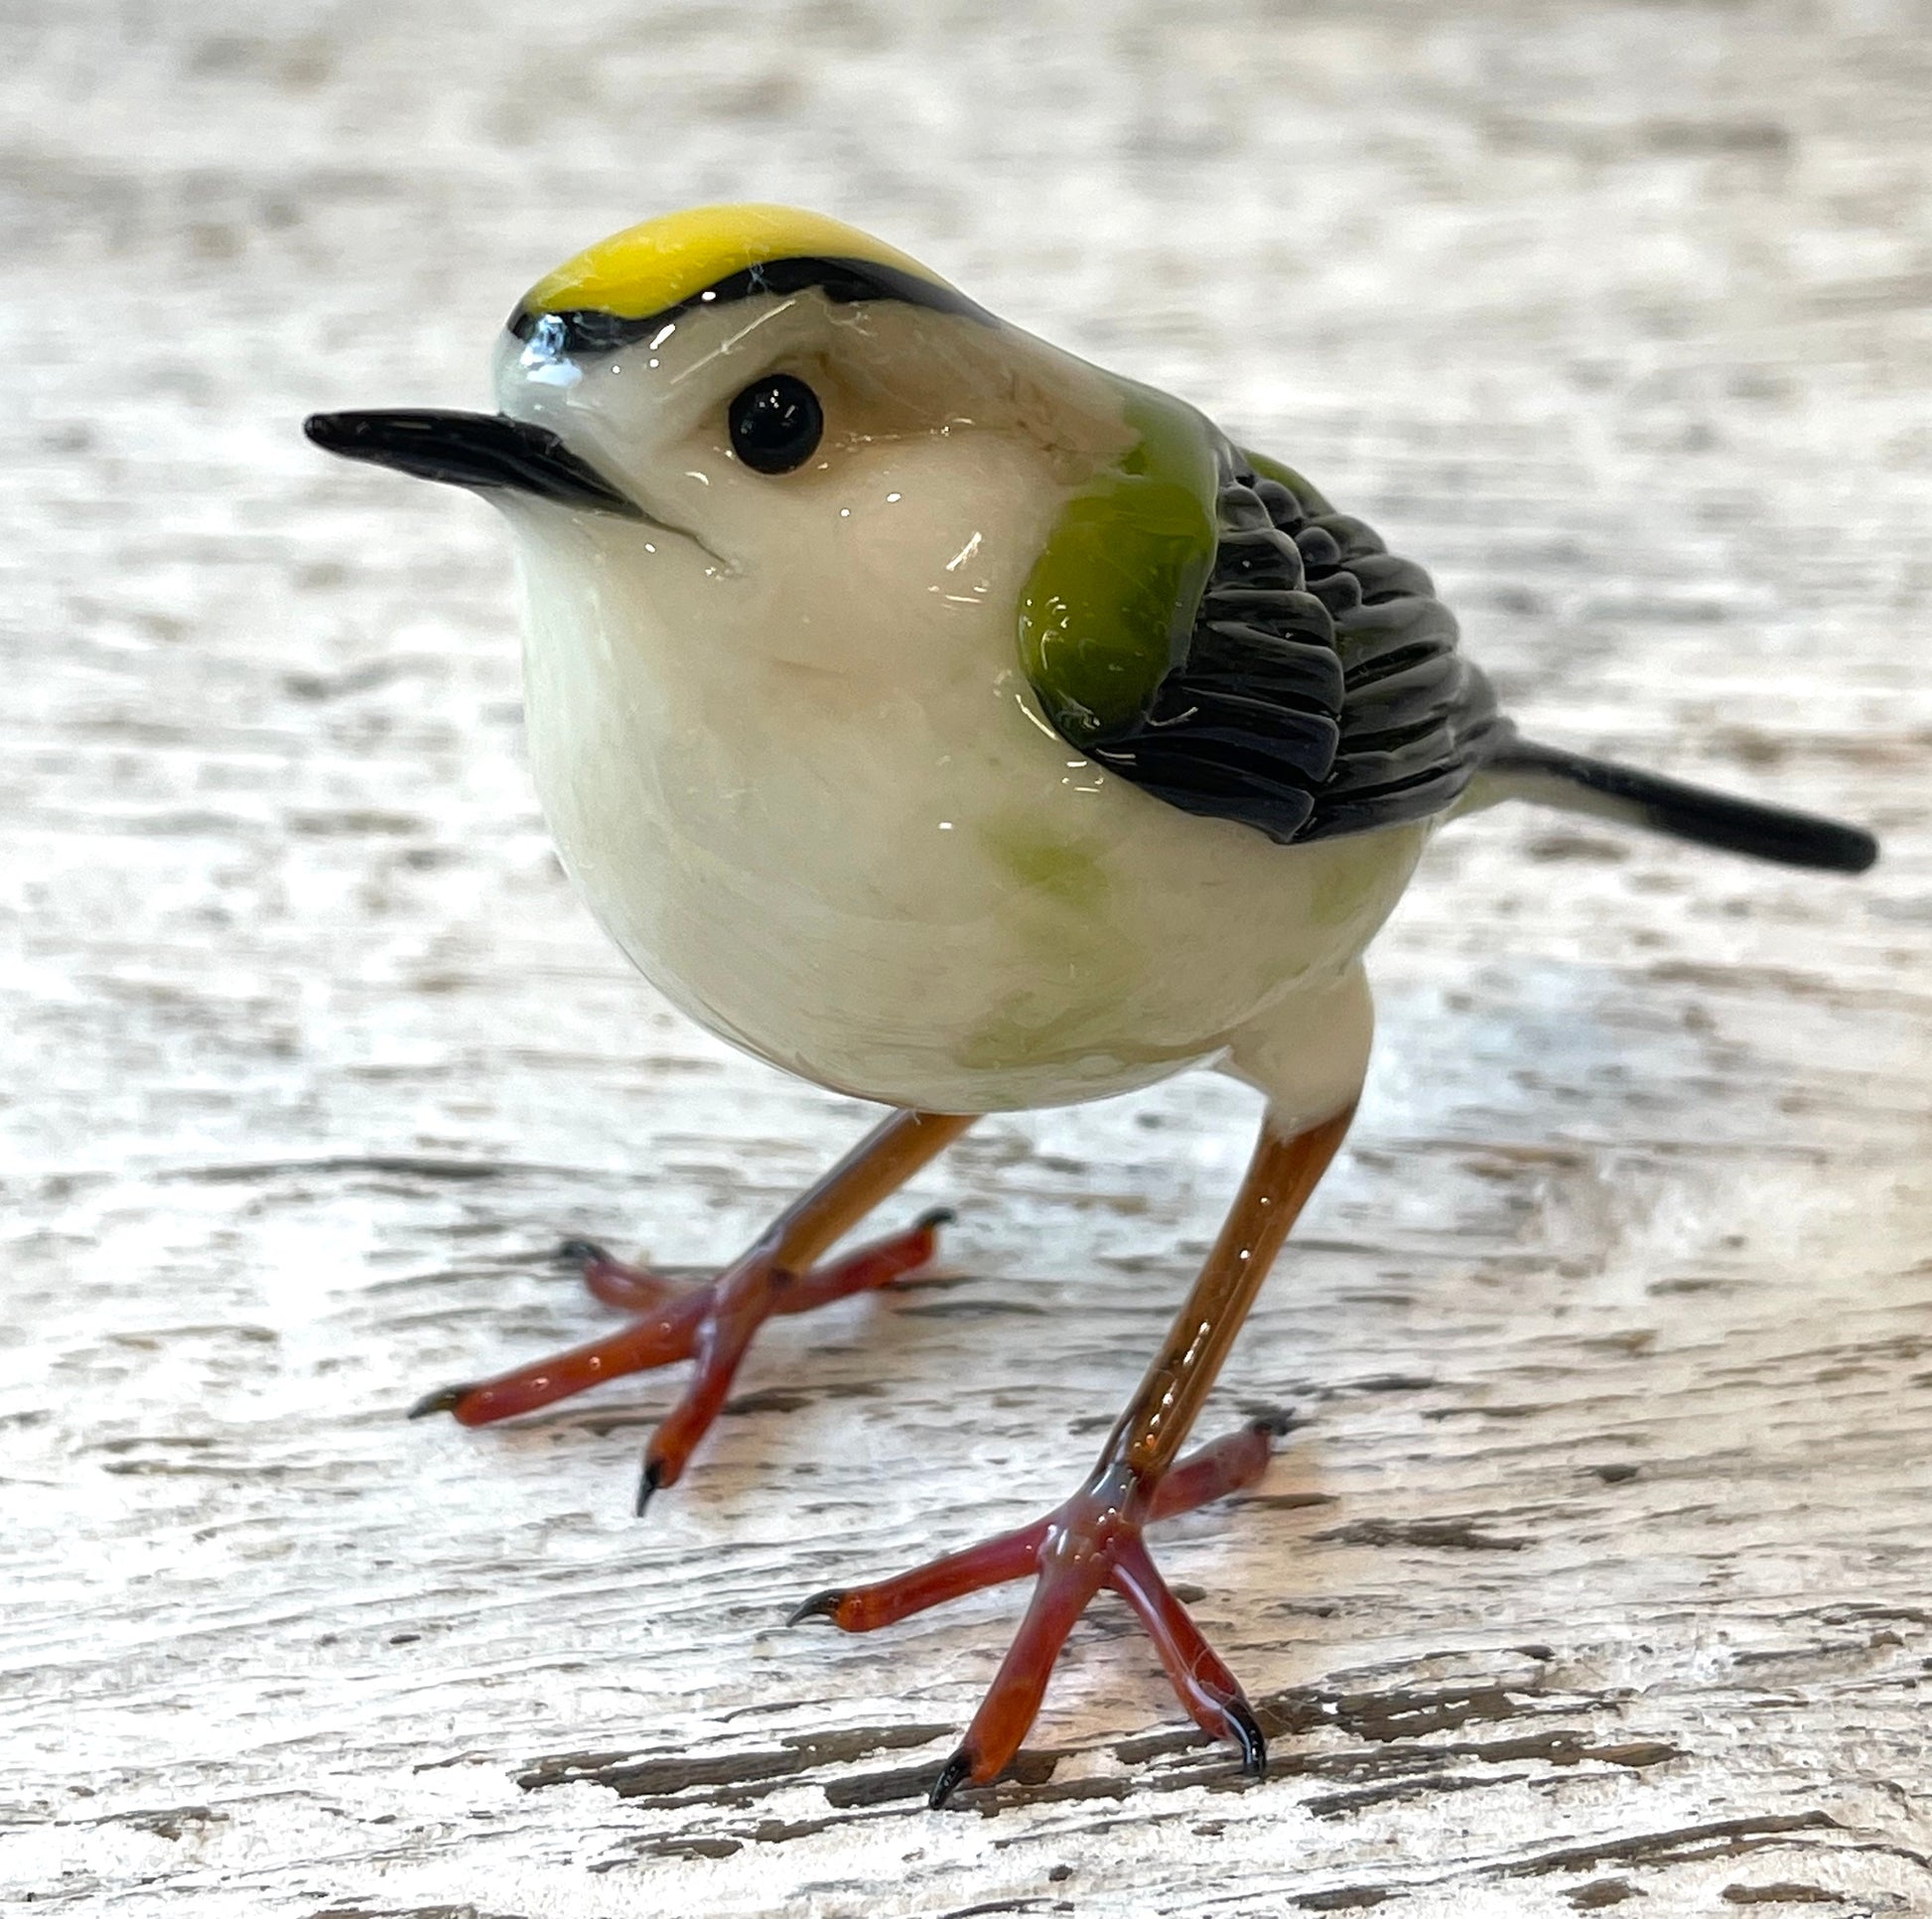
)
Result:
{"points": [[1094, 1539]]}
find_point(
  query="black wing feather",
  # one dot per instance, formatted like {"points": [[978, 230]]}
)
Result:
{"points": [[1322, 692]]}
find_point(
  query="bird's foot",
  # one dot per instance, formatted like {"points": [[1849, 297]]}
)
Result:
{"points": [[1091, 1541], [712, 1322]]}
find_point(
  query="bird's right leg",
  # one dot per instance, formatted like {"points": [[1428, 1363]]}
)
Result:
{"points": [[713, 1323]]}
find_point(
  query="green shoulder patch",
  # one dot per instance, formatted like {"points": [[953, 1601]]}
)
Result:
{"points": [[1107, 612]]}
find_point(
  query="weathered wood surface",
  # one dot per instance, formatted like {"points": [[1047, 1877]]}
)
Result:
{"points": [[1598, 1567]]}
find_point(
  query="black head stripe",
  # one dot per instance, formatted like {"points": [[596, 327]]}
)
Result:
{"points": [[590, 330]]}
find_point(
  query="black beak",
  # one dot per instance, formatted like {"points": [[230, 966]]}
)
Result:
{"points": [[470, 449]]}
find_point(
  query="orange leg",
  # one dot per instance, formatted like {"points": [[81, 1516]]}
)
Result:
{"points": [[713, 1323], [1094, 1539]]}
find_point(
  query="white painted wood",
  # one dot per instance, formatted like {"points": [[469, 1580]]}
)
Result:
{"points": [[1597, 1568]]}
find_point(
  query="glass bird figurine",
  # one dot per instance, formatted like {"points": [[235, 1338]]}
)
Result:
{"points": [[968, 728]]}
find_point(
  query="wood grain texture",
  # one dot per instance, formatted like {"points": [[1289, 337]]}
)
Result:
{"points": [[1597, 1569]]}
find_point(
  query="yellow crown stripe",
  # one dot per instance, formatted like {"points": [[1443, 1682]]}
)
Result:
{"points": [[648, 268]]}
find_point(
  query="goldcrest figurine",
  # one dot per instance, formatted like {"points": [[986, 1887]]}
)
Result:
{"points": [[965, 727]]}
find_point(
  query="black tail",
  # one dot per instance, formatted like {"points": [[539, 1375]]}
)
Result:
{"points": [[1585, 785]]}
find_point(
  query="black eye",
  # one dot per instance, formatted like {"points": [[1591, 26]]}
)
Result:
{"points": [[776, 424]]}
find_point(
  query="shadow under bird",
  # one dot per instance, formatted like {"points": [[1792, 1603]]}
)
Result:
{"points": [[968, 728]]}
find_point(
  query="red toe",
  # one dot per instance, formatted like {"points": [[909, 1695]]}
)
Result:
{"points": [[1092, 1541]]}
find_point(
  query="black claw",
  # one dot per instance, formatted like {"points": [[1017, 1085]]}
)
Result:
{"points": [[821, 1605], [1245, 1730], [933, 1220], [952, 1775], [443, 1400], [583, 1252], [649, 1483]]}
